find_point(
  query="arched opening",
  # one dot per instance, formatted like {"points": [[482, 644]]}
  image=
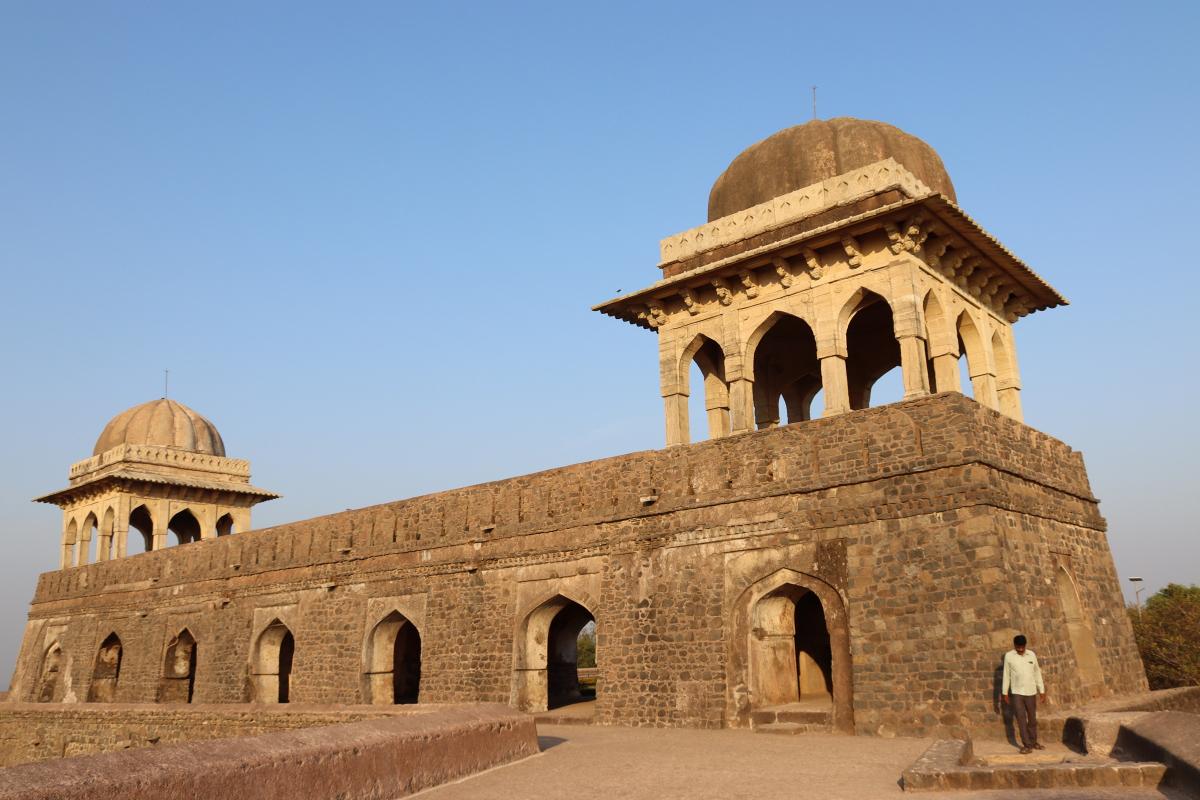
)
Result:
{"points": [[942, 351], [793, 659], [1083, 643], [704, 362], [547, 670], [787, 373], [106, 671], [225, 525], [90, 538], [51, 674], [108, 543], [178, 682], [393, 661], [971, 345], [141, 531], [272, 664], [185, 526], [872, 352], [70, 544], [789, 657]]}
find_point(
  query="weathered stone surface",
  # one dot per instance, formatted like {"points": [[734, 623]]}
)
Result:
{"points": [[1172, 737], [892, 514], [370, 760]]}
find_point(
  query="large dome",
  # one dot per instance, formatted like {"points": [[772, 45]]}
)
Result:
{"points": [[163, 423], [809, 153]]}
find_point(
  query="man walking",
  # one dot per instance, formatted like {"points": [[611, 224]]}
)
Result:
{"points": [[1023, 677]]}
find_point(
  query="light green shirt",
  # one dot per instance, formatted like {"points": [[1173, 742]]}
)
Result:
{"points": [[1022, 674]]}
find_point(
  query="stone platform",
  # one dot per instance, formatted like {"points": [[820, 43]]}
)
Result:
{"points": [[392, 756]]}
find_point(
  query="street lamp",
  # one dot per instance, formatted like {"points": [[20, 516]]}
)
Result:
{"points": [[1137, 593]]}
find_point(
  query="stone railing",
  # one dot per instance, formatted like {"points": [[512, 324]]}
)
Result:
{"points": [[160, 457], [839, 190]]}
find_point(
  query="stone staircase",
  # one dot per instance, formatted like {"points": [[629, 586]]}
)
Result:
{"points": [[793, 718]]}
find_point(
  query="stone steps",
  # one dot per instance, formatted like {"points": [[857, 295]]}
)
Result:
{"points": [[950, 765], [791, 719]]}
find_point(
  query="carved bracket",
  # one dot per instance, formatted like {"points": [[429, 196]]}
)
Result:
{"points": [[850, 245], [783, 270], [724, 293], [749, 284], [815, 268], [689, 301]]}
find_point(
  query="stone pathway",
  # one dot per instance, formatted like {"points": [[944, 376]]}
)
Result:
{"points": [[584, 762]]}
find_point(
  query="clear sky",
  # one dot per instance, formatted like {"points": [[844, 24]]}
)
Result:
{"points": [[365, 237]]}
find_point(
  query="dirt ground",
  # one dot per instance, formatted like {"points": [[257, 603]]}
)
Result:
{"points": [[579, 762]]}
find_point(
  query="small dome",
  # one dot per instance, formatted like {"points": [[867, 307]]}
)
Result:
{"points": [[163, 423], [806, 154]]}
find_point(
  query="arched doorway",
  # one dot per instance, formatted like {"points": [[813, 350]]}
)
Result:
{"points": [[792, 658], [178, 682], [225, 525], [272, 664], [106, 671], [547, 658], [790, 654], [393, 661], [51, 674]]}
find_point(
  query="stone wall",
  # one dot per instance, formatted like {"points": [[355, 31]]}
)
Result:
{"points": [[931, 529], [391, 756], [40, 731]]}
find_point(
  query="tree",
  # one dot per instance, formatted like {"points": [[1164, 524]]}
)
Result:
{"points": [[586, 652], [1167, 631]]}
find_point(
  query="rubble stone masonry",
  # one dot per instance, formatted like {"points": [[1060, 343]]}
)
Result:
{"points": [[931, 530]]}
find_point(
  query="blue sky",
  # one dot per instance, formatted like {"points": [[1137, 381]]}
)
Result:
{"points": [[365, 237]]}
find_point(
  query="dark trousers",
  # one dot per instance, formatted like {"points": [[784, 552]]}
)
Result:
{"points": [[1025, 710]]}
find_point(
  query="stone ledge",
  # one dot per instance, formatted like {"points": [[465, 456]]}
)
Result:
{"points": [[1172, 737], [949, 765], [371, 760]]}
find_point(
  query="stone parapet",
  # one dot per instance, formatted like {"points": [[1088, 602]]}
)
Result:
{"points": [[495, 520], [391, 756]]}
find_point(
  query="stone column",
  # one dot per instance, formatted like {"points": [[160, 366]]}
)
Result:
{"points": [[67, 551], [946, 377], [835, 385], [983, 386], [716, 404], [241, 519], [1009, 395], [914, 367], [676, 407], [910, 334], [741, 405], [160, 513]]}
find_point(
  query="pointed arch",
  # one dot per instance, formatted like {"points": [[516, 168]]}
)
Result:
{"points": [[709, 358], [781, 359], [972, 343], [225, 525], [392, 659], [546, 669], [141, 530], [872, 349], [180, 657], [271, 663], [1083, 642], [942, 340], [49, 688], [185, 526], [790, 640], [106, 670], [89, 535]]}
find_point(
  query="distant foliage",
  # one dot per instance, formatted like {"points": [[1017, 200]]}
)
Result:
{"points": [[587, 648], [1168, 635]]}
